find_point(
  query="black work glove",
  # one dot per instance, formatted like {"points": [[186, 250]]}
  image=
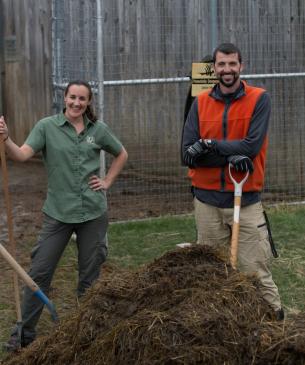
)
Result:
{"points": [[241, 163], [199, 148]]}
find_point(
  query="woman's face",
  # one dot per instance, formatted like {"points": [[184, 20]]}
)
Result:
{"points": [[76, 101]]}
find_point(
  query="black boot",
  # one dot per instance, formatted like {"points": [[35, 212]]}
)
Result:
{"points": [[279, 314]]}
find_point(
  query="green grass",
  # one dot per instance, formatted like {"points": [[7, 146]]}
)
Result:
{"points": [[135, 243], [288, 228]]}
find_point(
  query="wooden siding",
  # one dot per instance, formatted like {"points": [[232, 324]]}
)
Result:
{"points": [[155, 39], [27, 86]]}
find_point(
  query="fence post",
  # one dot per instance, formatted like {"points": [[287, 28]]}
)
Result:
{"points": [[100, 75], [100, 80]]}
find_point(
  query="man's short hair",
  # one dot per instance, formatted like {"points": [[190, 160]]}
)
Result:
{"points": [[227, 48]]}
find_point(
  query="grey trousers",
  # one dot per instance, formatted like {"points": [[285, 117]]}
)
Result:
{"points": [[52, 241]]}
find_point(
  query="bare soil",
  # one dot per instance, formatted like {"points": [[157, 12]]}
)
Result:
{"points": [[27, 186], [131, 197]]}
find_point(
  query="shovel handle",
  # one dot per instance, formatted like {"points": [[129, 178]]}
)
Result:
{"points": [[6, 195], [18, 269], [28, 281], [10, 224], [235, 231], [238, 187]]}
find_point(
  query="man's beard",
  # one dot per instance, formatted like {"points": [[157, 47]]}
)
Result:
{"points": [[231, 83]]}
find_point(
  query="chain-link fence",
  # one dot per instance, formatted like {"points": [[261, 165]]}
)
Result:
{"points": [[138, 56]]}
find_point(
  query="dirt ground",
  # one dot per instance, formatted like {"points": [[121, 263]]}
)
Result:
{"points": [[151, 304], [27, 186], [131, 197]]}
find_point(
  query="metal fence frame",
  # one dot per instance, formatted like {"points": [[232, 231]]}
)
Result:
{"points": [[100, 85]]}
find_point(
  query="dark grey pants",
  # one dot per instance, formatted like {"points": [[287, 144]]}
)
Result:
{"points": [[52, 241]]}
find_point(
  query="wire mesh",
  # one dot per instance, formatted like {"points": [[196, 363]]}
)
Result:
{"points": [[160, 39]]}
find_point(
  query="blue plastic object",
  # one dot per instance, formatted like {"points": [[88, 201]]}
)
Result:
{"points": [[39, 294]]}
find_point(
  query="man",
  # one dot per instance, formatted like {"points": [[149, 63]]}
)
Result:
{"points": [[228, 124]]}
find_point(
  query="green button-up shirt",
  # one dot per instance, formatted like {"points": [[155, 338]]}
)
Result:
{"points": [[70, 159]]}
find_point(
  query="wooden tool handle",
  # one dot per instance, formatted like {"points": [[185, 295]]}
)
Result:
{"points": [[235, 231], [29, 282], [7, 197], [18, 269], [10, 224]]}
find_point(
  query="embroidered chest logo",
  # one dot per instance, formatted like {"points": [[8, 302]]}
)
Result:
{"points": [[90, 139]]}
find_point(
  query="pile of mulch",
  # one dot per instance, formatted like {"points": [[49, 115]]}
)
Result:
{"points": [[187, 307]]}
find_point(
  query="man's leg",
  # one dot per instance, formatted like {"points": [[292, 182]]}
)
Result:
{"points": [[211, 228], [45, 255], [92, 250], [254, 251]]}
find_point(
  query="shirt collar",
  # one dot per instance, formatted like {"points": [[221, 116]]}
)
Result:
{"points": [[62, 120]]}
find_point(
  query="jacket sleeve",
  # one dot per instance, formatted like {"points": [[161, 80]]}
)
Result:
{"points": [[190, 135], [252, 143]]}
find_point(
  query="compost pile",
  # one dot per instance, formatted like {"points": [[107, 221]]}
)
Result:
{"points": [[187, 307]]}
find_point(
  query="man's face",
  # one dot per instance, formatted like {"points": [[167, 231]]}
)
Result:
{"points": [[227, 69]]}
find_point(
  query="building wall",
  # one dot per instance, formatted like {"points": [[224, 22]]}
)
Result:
{"points": [[27, 83]]}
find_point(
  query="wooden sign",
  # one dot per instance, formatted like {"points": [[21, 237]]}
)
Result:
{"points": [[10, 49], [203, 77]]}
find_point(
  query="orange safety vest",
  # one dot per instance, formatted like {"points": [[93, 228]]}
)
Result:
{"points": [[213, 118]]}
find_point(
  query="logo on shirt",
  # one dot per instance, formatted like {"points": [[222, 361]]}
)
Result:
{"points": [[90, 139]]}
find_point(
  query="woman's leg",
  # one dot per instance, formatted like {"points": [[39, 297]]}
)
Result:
{"points": [[45, 255], [92, 250]]}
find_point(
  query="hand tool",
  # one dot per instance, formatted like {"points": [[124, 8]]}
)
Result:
{"points": [[236, 215], [9, 257], [12, 243], [29, 281]]}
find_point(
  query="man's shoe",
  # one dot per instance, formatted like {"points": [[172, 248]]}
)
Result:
{"points": [[280, 314]]}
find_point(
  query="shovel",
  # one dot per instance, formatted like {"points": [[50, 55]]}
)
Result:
{"points": [[29, 282], [10, 257], [12, 243], [238, 186]]}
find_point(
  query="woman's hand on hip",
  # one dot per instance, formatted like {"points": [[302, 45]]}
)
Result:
{"points": [[96, 183]]}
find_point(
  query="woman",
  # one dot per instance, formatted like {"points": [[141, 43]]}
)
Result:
{"points": [[70, 143]]}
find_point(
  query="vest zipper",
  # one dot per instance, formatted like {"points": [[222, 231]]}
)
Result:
{"points": [[224, 131]]}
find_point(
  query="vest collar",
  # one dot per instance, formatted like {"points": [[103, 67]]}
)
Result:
{"points": [[218, 95]]}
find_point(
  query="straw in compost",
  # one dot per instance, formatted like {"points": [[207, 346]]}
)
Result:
{"points": [[187, 307]]}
